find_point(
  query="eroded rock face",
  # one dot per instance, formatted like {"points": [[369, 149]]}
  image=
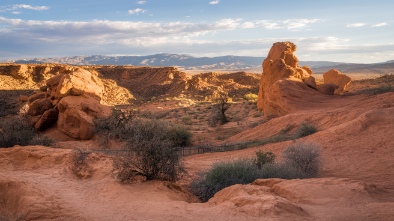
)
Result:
{"points": [[338, 79], [281, 68]]}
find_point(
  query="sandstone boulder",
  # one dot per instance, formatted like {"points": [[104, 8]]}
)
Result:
{"points": [[76, 115], [39, 106], [337, 78], [283, 81], [48, 119], [77, 83], [36, 96]]}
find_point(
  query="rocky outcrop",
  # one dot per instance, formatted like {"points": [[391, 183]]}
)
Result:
{"points": [[283, 78], [72, 100], [76, 115], [286, 87], [338, 79]]}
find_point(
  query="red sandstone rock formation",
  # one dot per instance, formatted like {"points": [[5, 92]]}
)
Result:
{"points": [[337, 78], [72, 100], [282, 79]]}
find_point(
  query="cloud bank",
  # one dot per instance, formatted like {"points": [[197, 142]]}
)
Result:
{"points": [[34, 38]]}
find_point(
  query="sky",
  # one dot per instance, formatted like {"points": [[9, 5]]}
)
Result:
{"points": [[356, 31]]}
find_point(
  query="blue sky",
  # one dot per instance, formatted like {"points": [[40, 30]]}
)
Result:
{"points": [[348, 31]]}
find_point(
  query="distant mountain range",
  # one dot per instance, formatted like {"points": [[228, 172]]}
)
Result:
{"points": [[228, 63]]}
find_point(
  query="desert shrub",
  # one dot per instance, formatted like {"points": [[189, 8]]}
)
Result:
{"points": [[116, 126], [42, 140], [305, 129], [305, 157], [222, 175], [377, 90], [9, 104], [281, 170], [153, 151], [300, 161], [263, 158], [180, 136], [16, 131], [187, 121], [80, 166]]}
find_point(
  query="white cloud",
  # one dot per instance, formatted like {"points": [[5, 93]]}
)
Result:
{"points": [[141, 2], [380, 24], [291, 24], [214, 2], [268, 24], [248, 25], [299, 23], [136, 11], [22, 6], [355, 25]]}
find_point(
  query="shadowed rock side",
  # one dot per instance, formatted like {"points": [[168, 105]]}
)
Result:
{"points": [[286, 87]]}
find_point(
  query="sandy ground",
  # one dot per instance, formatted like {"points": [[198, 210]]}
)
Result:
{"points": [[356, 183]]}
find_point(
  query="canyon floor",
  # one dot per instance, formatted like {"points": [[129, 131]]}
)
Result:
{"points": [[355, 132]]}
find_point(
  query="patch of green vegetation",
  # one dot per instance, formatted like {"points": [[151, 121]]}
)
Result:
{"points": [[300, 161]]}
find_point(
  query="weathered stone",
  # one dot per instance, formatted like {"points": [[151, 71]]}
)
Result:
{"points": [[36, 96], [48, 119], [78, 83], [337, 78], [39, 106], [76, 114]]}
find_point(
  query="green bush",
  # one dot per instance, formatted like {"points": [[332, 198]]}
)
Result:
{"points": [[222, 175], [305, 157], [180, 136], [263, 158], [16, 131], [305, 129], [300, 161]]}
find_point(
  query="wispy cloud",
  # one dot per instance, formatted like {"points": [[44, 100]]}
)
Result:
{"points": [[141, 2], [380, 24], [214, 2], [22, 6], [291, 24], [299, 23], [136, 11], [355, 25]]}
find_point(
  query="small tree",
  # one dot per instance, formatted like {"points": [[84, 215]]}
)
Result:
{"points": [[221, 100]]}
